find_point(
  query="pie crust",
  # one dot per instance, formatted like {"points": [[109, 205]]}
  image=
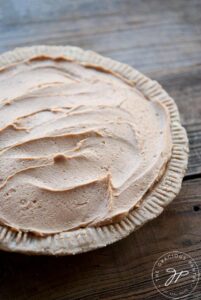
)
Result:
{"points": [[149, 207]]}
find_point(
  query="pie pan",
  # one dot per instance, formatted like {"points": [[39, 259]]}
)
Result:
{"points": [[152, 204]]}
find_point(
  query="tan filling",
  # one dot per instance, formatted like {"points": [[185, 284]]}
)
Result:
{"points": [[79, 146]]}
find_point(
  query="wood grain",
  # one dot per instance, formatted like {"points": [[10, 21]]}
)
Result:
{"points": [[163, 40], [121, 271]]}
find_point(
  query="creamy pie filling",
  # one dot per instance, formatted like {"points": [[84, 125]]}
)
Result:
{"points": [[79, 146]]}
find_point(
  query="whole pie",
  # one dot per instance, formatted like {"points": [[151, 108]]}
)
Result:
{"points": [[90, 149]]}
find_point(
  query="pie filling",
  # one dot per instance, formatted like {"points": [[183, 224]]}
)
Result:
{"points": [[79, 145]]}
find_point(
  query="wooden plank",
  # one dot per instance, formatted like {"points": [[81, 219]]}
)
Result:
{"points": [[165, 44], [184, 85], [124, 30], [161, 39], [194, 163], [120, 271]]}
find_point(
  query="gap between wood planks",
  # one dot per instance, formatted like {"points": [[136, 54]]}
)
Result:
{"points": [[191, 177]]}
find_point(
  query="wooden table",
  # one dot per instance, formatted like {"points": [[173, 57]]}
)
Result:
{"points": [[163, 40]]}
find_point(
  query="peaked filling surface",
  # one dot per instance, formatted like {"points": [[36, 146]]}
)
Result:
{"points": [[79, 146]]}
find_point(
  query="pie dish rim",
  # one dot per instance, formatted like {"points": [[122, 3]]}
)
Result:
{"points": [[152, 205]]}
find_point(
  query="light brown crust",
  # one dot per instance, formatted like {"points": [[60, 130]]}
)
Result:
{"points": [[152, 205]]}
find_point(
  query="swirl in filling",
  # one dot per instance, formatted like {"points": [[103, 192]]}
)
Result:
{"points": [[79, 146]]}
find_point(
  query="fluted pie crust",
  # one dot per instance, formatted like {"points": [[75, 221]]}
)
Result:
{"points": [[152, 203]]}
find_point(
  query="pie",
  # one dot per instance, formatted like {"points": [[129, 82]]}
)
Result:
{"points": [[90, 149]]}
